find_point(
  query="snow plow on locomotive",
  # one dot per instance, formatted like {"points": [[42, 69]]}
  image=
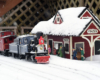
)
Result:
{"points": [[29, 47]]}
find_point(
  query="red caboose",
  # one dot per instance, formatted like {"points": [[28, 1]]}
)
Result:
{"points": [[6, 37]]}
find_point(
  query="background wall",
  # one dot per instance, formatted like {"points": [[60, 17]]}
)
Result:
{"points": [[29, 12]]}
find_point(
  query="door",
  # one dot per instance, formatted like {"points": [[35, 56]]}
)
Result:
{"points": [[51, 46], [97, 47]]}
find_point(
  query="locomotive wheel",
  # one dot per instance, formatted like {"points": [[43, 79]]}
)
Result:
{"points": [[32, 58], [4, 53], [0, 52], [26, 57], [13, 55], [20, 56]]}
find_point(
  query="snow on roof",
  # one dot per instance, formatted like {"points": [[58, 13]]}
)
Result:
{"points": [[7, 36], [71, 25], [21, 36]]}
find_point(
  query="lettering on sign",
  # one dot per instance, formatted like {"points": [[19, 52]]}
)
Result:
{"points": [[92, 31]]}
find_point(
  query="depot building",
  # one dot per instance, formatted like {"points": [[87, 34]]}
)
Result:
{"points": [[73, 28]]}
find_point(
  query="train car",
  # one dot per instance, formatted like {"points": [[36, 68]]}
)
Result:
{"points": [[6, 37], [32, 47]]}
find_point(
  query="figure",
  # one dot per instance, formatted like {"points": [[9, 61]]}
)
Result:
{"points": [[49, 50], [74, 53], [60, 52], [63, 51], [44, 48], [82, 53]]}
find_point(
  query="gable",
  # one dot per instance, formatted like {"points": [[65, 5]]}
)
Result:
{"points": [[57, 19], [86, 14], [91, 29]]}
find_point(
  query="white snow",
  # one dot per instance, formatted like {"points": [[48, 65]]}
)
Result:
{"points": [[7, 36], [57, 69], [21, 36], [71, 25], [95, 58]]}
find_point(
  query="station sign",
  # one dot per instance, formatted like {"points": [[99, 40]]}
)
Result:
{"points": [[92, 31]]}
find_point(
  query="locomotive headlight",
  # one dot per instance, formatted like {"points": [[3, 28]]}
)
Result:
{"points": [[41, 41], [41, 48]]}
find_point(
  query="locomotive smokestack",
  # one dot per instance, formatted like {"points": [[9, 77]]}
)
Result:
{"points": [[38, 34]]}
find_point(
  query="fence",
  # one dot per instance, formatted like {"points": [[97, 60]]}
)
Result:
{"points": [[30, 12]]}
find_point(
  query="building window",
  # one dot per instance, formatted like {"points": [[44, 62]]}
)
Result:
{"points": [[78, 45], [57, 45], [66, 47], [58, 19]]}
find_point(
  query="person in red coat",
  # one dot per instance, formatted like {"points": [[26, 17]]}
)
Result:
{"points": [[44, 48], [49, 50]]}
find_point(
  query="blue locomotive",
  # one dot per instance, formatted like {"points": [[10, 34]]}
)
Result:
{"points": [[29, 47]]}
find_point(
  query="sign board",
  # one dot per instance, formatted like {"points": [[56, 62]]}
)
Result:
{"points": [[66, 40], [92, 31]]}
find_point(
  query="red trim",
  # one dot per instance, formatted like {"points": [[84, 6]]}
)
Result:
{"points": [[92, 26], [55, 19], [86, 14]]}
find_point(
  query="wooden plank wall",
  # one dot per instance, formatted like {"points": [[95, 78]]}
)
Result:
{"points": [[6, 5]]}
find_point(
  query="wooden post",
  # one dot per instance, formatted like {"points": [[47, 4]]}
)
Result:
{"points": [[15, 31], [91, 47], [81, 3], [71, 47], [22, 32]]}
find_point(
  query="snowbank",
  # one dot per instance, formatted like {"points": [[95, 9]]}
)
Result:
{"points": [[94, 58]]}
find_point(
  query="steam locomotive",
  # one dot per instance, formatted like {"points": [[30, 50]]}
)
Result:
{"points": [[26, 46]]}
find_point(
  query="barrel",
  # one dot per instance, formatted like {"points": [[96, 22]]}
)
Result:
{"points": [[78, 55]]}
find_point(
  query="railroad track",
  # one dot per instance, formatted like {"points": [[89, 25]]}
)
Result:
{"points": [[47, 75]]}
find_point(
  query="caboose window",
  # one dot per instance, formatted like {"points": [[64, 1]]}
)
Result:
{"points": [[2, 34], [5, 40], [11, 33], [10, 39]]}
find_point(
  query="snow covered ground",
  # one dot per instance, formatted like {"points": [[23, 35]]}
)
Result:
{"points": [[57, 69]]}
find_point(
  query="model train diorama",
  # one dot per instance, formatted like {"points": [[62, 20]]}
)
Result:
{"points": [[29, 47]]}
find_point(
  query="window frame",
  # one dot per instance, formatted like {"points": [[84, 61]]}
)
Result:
{"points": [[66, 42], [79, 43], [57, 19], [58, 43]]}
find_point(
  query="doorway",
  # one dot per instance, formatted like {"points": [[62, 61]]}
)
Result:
{"points": [[97, 47], [51, 45]]}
